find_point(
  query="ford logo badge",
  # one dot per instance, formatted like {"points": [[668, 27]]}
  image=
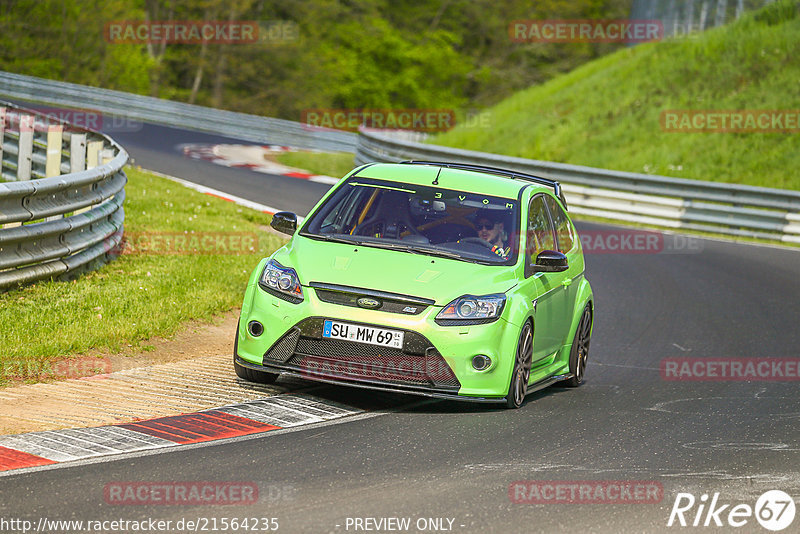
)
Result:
{"points": [[366, 302]]}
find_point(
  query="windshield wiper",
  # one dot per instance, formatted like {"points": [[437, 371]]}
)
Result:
{"points": [[332, 238], [438, 253], [393, 246], [378, 244], [419, 250]]}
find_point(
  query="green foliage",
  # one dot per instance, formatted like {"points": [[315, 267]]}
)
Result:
{"points": [[606, 113], [348, 53], [65, 41]]}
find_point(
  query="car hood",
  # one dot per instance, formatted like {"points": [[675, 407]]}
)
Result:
{"points": [[440, 279]]}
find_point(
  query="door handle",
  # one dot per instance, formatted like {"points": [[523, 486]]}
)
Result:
{"points": [[566, 282]]}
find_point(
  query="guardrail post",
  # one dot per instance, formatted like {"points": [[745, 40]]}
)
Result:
{"points": [[94, 154], [106, 155], [2, 130], [54, 142], [77, 158], [25, 147], [77, 152], [24, 153], [53, 162]]}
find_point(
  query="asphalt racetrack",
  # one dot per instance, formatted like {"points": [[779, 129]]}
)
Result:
{"points": [[454, 465]]}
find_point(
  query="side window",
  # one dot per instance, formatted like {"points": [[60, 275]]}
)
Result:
{"points": [[341, 220], [564, 233], [540, 230], [334, 219]]}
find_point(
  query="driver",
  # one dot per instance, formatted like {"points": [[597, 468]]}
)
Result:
{"points": [[491, 229]]}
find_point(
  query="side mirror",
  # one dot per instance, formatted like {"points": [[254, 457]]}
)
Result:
{"points": [[284, 222], [550, 261]]}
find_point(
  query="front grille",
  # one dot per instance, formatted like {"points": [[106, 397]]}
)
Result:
{"points": [[346, 359], [420, 371], [417, 364], [283, 349], [348, 369], [338, 349], [389, 302]]}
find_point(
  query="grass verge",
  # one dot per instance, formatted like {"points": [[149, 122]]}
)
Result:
{"points": [[141, 294], [335, 164]]}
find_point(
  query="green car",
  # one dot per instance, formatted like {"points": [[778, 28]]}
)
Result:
{"points": [[438, 279]]}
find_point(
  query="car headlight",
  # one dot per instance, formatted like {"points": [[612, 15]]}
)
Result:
{"points": [[482, 309], [281, 281]]}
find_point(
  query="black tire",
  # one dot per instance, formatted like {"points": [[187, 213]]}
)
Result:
{"points": [[251, 375], [518, 385], [580, 349]]}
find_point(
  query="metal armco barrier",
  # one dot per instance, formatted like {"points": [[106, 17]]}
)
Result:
{"points": [[253, 128], [60, 199], [729, 209]]}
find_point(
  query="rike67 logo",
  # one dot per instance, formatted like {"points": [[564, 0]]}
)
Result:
{"points": [[774, 510]]}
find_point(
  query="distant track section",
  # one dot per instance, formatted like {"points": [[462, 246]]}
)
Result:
{"points": [[177, 114]]}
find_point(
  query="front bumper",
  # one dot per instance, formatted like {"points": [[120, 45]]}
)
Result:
{"points": [[363, 384], [435, 360]]}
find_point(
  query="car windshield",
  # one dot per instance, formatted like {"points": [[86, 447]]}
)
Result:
{"points": [[420, 219]]}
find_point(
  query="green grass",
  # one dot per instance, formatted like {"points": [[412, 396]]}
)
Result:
{"points": [[335, 164], [138, 296], [606, 113]]}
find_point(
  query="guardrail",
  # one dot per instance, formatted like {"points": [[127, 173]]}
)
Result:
{"points": [[61, 198], [661, 201], [729, 209], [263, 130]]}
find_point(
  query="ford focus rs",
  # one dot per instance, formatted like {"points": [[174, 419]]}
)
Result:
{"points": [[439, 279]]}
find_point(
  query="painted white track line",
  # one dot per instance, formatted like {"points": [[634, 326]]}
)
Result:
{"points": [[263, 208], [39, 449]]}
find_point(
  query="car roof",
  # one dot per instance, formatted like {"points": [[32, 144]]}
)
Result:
{"points": [[482, 182]]}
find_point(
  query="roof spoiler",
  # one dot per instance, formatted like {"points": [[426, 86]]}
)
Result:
{"points": [[516, 175]]}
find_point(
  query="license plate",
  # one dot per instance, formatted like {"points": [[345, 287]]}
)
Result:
{"points": [[363, 334]]}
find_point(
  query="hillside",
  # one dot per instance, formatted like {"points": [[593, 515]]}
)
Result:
{"points": [[607, 113]]}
